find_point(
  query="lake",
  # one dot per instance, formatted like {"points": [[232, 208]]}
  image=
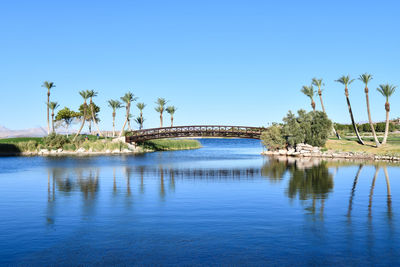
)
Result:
{"points": [[223, 204]]}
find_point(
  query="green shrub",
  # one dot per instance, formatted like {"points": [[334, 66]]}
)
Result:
{"points": [[312, 128], [272, 138], [29, 146], [55, 141], [69, 147]]}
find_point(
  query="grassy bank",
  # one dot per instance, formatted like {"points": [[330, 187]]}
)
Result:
{"points": [[170, 144], [36, 144], [392, 148]]}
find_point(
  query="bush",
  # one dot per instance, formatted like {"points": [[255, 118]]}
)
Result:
{"points": [[312, 128], [69, 147], [29, 146], [55, 141], [272, 138]]}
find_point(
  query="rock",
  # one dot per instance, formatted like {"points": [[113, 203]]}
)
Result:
{"points": [[119, 139], [116, 151], [43, 152], [108, 151], [53, 151], [282, 151], [125, 150], [81, 150], [59, 150]]}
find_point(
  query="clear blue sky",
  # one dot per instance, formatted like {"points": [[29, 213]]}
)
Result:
{"points": [[220, 62]]}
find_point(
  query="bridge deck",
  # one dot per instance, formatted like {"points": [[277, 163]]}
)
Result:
{"points": [[194, 131]]}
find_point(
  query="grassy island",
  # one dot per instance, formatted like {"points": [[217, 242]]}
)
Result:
{"points": [[90, 144]]}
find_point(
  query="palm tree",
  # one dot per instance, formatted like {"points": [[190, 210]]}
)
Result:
{"points": [[48, 85], [85, 96], [171, 110], [91, 94], [309, 91], [387, 91], [52, 106], [114, 104], [141, 106], [139, 121], [319, 83], [160, 108], [128, 98], [345, 80], [366, 78]]}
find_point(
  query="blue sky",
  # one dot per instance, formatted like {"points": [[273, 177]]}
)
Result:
{"points": [[220, 62]]}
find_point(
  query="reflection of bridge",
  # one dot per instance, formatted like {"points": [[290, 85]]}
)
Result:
{"points": [[194, 131]]}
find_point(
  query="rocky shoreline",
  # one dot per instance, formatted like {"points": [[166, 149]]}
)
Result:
{"points": [[304, 150]]}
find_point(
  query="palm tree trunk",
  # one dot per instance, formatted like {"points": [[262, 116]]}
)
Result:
{"points": [[352, 120], [320, 99], [67, 129], [370, 120], [83, 121], [94, 119], [161, 120], [90, 126], [52, 121], [129, 125], [387, 107], [48, 111], [313, 105], [172, 121], [126, 120], [113, 115], [141, 120]]}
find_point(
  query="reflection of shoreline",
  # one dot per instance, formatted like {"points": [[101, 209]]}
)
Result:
{"points": [[308, 162]]}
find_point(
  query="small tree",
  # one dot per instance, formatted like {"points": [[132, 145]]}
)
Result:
{"points": [[272, 138], [67, 116]]}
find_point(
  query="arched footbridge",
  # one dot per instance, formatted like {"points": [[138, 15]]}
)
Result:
{"points": [[194, 131]]}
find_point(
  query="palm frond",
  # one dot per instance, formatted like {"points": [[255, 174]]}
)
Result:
{"points": [[365, 78]]}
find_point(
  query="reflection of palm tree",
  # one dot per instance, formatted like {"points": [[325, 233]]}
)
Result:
{"points": [[128, 181], [389, 193], [114, 183], [353, 190], [162, 188], [141, 179], [371, 192], [172, 180]]}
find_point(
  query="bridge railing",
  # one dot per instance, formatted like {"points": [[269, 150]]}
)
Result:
{"points": [[195, 130]]}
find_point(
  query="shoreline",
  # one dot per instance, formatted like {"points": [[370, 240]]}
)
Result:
{"points": [[308, 151]]}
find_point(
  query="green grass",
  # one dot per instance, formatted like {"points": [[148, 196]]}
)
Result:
{"points": [[170, 144], [389, 149], [21, 139]]}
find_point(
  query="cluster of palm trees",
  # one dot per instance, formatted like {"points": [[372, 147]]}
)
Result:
{"points": [[386, 90], [89, 112]]}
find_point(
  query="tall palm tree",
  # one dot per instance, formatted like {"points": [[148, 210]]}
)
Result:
{"points": [[114, 104], [309, 91], [366, 78], [345, 80], [171, 110], [141, 106], [91, 94], [160, 108], [128, 98], [387, 91], [85, 96], [52, 106], [319, 84], [48, 85]]}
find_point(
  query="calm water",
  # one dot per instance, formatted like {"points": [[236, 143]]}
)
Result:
{"points": [[223, 204]]}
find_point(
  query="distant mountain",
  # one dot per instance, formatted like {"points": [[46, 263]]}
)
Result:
{"points": [[32, 132]]}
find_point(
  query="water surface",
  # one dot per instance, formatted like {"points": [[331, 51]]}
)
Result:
{"points": [[223, 204]]}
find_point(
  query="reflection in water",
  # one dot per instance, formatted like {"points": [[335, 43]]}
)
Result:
{"points": [[308, 180], [353, 191]]}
